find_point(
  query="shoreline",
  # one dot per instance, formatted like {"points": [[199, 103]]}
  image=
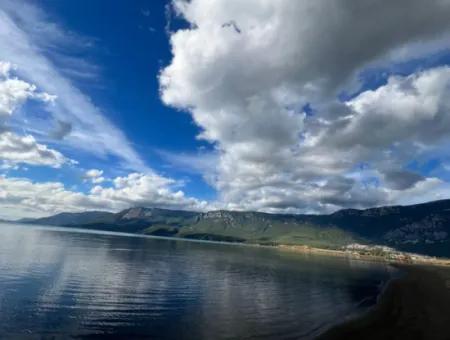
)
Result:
{"points": [[398, 257], [415, 305], [401, 258]]}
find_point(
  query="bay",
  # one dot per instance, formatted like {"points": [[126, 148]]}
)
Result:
{"points": [[67, 283]]}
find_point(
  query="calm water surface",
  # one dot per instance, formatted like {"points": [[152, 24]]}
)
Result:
{"points": [[71, 284]]}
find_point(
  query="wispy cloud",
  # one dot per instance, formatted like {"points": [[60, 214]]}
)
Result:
{"points": [[28, 38], [199, 163]]}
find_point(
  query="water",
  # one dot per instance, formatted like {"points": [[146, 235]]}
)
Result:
{"points": [[63, 283]]}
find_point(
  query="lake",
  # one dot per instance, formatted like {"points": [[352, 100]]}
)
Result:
{"points": [[60, 283]]}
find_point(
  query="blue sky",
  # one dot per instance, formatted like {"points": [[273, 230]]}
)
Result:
{"points": [[129, 48], [203, 105]]}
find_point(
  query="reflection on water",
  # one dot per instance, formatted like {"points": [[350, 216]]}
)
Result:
{"points": [[58, 284]]}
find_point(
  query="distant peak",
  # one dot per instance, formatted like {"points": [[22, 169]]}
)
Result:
{"points": [[137, 212]]}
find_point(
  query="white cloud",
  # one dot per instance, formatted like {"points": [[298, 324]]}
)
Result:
{"points": [[95, 176], [245, 70], [94, 173], [26, 37], [16, 149], [414, 108], [24, 198], [5, 69], [430, 189], [30, 40], [14, 91], [138, 189]]}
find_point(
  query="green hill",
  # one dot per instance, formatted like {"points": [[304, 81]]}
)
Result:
{"points": [[422, 228]]}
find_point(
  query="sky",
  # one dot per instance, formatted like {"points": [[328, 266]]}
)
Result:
{"points": [[276, 106]]}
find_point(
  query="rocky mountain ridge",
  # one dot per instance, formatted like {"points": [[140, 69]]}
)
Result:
{"points": [[422, 228]]}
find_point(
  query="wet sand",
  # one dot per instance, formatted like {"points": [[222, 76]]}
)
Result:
{"points": [[414, 306]]}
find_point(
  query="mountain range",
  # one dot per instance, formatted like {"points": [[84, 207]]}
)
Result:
{"points": [[422, 228]]}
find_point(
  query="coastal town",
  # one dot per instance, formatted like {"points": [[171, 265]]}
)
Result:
{"points": [[365, 252]]}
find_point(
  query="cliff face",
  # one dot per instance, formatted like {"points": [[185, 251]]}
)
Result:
{"points": [[423, 228]]}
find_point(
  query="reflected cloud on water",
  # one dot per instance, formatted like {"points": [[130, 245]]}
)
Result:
{"points": [[64, 283]]}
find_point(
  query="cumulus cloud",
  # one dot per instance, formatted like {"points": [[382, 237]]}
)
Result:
{"points": [[16, 149], [248, 70], [411, 108], [94, 173], [149, 189], [24, 198], [5, 68], [14, 91], [95, 176], [29, 40]]}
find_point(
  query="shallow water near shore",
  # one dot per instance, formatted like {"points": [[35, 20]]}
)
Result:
{"points": [[64, 283]]}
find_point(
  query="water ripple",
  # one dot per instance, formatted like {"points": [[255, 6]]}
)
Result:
{"points": [[61, 284]]}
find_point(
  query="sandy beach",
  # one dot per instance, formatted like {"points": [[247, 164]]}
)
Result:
{"points": [[414, 306]]}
